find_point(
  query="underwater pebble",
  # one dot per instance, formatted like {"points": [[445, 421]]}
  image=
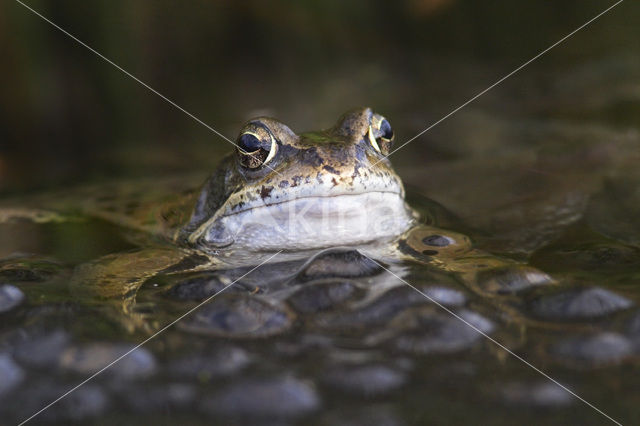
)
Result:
{"points": [[41, 350], [633, 326], [85, 402], [378, 415], [512, 279], [93, 357], [366, 380], [306, 343], [10, 374], [10, 297], [378, 312], [160, 398], [579, 304], [458, 370], [601, 348], [438, 333], [542, 394], [633, 331], [321, 297], [280, 397], [445, 296], [242, 316], [198, 288], [221, 362]]}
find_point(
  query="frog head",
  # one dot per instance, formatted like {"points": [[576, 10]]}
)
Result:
{"points": [[285, 191]]}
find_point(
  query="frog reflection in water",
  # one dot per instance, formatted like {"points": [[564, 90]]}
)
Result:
{"points": [[299, 194]]}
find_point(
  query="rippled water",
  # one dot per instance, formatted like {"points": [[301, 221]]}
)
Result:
{"points": [[544, 171], [293, 343]]}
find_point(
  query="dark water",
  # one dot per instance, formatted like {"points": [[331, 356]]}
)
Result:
{"points": [[543, 169]]}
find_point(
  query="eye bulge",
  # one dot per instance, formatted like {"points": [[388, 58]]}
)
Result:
{"points": [[380, 134], [256, 146]]}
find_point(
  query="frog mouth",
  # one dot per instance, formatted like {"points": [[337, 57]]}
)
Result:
{"points": [[311, 222], [318, 198]]}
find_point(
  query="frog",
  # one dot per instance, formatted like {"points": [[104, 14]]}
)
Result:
{"points": [[279, 196]]}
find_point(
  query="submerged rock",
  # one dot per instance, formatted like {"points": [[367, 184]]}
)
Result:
{"points": [[86, 402], [241, 316], [602, 348], [196, 288], [434, 332], [512, 279], [10, 297], [168, 396], [90, 358], [366, 380], [10, 374], [579, 304], [220, 362], [446, 296], [378, 312], [633, 331], [41, 349], [277, 397], [540, 394], [370, 414], [322, 297]]}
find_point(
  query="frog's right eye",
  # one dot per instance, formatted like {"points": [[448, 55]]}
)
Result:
{"points": [[256, 146], [380, 134]]}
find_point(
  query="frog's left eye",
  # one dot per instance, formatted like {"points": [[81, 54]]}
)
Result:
{"points": [[256, 146], [380, 134]]}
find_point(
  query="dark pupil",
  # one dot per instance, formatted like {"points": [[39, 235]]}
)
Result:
{"points": [[249, 143], [385, 128]]}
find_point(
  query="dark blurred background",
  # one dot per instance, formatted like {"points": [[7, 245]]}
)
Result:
{"points": [[69, 117]]}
